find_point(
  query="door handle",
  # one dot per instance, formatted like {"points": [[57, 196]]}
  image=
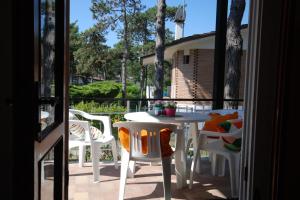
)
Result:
{"points": [[49, 101]]}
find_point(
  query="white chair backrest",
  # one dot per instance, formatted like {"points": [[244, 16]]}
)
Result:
{"points": [[153, 138], [237, 133], [72, 116], [79, 130], [107, 131]]}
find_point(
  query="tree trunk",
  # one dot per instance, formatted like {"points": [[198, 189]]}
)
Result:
{"points": [[234, 45], [142, 81], [125, 52], [159, 49], [104, 72], [48, 51], [142, 85], [143, 74]]}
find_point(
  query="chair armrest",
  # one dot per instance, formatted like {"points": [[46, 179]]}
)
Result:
{"points": [[98, 118], [89, 116], [236, 133]]}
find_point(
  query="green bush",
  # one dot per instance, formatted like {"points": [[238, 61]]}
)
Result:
{"points": [[102, 89], [132, 91]]}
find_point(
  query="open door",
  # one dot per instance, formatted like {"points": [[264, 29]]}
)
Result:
{"points": [[39, 106], [50, 79]]}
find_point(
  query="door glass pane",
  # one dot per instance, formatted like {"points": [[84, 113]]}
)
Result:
{"points": [[47, 176], [47, 70]]}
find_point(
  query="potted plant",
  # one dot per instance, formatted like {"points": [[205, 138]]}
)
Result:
{"points": [[170, 109], [158, 107]]}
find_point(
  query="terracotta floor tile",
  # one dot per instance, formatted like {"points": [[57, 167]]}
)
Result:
{"points": [[147, 184]]}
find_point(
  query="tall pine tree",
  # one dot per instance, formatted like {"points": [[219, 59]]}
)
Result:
{"points": [[234, 49], [159, 49], [112, 13]]}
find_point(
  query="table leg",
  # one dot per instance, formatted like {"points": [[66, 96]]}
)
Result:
{"points": [[194, 133], [180, 160]]}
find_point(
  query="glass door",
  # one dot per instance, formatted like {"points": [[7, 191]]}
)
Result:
{"points": [[50, 72]]}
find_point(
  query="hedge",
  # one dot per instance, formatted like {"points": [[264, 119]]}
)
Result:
{"points": [[102, 89]]}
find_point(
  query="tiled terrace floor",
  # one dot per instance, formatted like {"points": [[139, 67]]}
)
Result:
{"points": [[147, 184]]}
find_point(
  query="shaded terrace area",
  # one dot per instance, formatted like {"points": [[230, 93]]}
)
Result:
{"points": [[147, 183]]}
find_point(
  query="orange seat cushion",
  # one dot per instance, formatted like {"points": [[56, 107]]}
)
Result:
{"points": [[238, 124], [213, 124], [165, 135]]}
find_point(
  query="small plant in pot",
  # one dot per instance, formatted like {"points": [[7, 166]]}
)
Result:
{"points": [[170, 109], [158, 107]]}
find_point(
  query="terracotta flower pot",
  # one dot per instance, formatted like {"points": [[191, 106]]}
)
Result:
{"points": [[170, 112]]}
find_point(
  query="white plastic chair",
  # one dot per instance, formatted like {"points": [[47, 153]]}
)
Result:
{"points": [[82, 134], [218, 149], [193, 137], [153, 151]]}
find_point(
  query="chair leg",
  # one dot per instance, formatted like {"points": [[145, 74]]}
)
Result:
{"points": [[123, 176], [166, 165], [188, 146], [194, 136], [194, 164], [213, 164], [237, 173], [82, 150], [232, 170], [114, 152], [210, 156], [221, 164], [131, 169], [96, 151], [218, 165]]}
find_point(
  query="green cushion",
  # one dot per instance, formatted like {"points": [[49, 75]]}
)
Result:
{"points": [[235, 146], [225, 125]]}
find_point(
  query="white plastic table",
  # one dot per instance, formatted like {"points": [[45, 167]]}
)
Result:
{"points": [[180, 119]]}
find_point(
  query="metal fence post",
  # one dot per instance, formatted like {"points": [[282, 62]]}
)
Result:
{"points": [[128, 105]]}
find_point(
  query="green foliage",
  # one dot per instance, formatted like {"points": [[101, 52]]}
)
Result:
{"points": [[143, 27], [90, 56], [94, 107], [132, 91], [74, 39], [102, 89], [167, 74], [170, 104], [109, 13]]}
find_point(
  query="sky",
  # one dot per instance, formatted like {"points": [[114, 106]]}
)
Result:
{"points": [[200, 16]]}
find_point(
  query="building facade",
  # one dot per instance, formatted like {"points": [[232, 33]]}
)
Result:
{"points": [[192, 61]]}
